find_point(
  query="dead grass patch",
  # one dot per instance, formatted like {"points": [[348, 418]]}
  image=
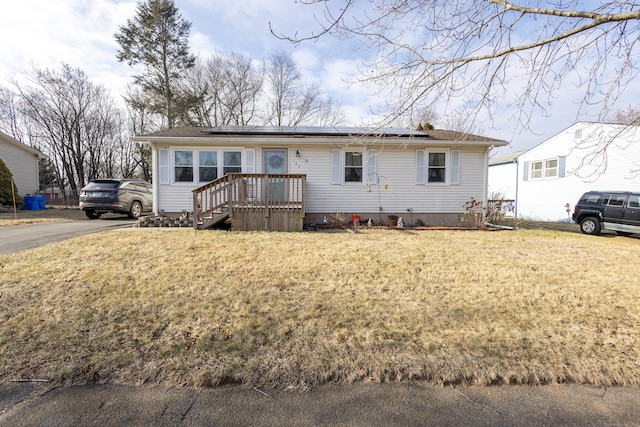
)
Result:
{"points": [[9, 217], [280, 309]]}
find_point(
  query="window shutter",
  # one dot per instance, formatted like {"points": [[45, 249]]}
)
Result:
{"points": [[561, 166], [525, 171], [455, 167], [336, 166], [250, 161], [164, 166], [420, 167], [372, 167]]}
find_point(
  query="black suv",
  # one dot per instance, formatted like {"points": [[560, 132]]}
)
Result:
{"points": [[126, 196], [608, 210]]}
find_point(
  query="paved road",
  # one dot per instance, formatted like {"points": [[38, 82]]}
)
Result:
{"points": [[395, 404], [19, 238]]}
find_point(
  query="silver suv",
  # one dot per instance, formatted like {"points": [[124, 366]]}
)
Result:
{"points": [[125, 196], [608, 210]]}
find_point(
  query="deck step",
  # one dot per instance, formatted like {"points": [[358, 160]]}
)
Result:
{"points": [[213, 220]]}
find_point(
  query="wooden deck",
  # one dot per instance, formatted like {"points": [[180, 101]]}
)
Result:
{"points": [[251, 202]]}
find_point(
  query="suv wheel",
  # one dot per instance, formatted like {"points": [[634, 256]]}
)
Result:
{"points": [[590, 225], [92, 214], [135, 211]]}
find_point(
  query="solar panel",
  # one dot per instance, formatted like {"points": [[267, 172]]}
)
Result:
{"points": [[314, 131]]}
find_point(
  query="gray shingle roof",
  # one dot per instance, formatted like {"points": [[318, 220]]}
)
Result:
{"points": [[204, 132]]}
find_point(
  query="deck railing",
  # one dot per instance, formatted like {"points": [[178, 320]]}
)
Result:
{"points": [[253, 201]]}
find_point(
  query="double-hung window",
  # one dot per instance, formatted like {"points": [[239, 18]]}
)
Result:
{"points": [[183, 166], [437, 167], [207, 166], [352, 166], [232, 162]]}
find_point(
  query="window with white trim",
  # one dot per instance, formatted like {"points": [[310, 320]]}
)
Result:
{"points": [[353, 166], [544, 169], [183, 166], [437, 167], [232, 162], [201, 166], [207, 166]]}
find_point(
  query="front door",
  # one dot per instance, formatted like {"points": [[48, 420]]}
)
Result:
{"points": [[275, 163]]}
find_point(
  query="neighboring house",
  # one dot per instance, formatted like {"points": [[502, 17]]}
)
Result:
{"points": [[422, 176], [547, 180], [22, 161]]}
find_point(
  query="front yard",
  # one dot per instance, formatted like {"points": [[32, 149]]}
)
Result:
{"points": [[193, 308]]}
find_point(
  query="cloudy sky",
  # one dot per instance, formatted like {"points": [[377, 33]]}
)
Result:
{"points": [[46, 33]]}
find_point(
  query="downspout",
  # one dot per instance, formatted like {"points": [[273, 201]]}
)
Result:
{"points": [[515, 209], [485, 189], [155, 181]]}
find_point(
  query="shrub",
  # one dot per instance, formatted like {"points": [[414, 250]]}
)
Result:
{"points": [[6, 181]]}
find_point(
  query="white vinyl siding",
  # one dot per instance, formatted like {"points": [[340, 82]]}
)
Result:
{"points": [[395, 172], [396, 192], [22, 163], [577, 170]]}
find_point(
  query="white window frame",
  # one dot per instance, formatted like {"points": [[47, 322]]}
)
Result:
{"points": [[185, 165], [369, 166], [246, 156], [217, 164], [540, 169], [452, 159]]}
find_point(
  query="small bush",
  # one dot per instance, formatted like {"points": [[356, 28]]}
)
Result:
{"points": [[6, 181]]}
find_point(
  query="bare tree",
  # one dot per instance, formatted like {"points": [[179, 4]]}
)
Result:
{"points": [[467, 56], [9, 115], [226, 89], [627, 116], [72, 120], [291, 102]]}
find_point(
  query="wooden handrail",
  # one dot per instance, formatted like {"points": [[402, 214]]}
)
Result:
{"points": [[248, 190]]}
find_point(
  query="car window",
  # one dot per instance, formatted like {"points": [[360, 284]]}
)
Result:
{"points": [[102, 185], [614, 199], [634, 201], [590, 199]]}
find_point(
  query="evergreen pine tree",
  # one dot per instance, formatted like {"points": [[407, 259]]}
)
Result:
{"points": [[6, 179]]}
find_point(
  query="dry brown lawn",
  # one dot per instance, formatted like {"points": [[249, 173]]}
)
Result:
{"points": [[191, 308], [10, 217]]}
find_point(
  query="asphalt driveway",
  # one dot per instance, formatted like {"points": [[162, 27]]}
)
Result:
{"points": [[19, 238]]}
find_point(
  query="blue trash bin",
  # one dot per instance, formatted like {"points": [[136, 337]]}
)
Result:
{"points": [[41, 202], [33, 203], [30, 203]]}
